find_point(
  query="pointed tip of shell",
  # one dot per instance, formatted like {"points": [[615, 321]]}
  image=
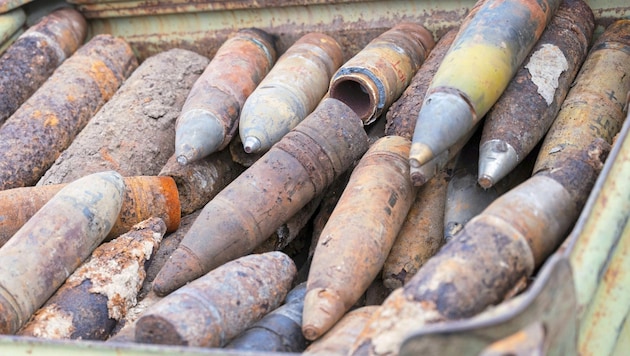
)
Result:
{"points": [[251, 144], [497, 158]]}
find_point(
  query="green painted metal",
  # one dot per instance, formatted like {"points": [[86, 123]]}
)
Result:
{"points": [[599, 249], [10, 22]]}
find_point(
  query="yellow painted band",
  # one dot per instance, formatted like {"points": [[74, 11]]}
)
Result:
{"points": [[480, 71]]}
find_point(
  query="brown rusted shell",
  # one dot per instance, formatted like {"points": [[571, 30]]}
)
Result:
{"points": [[213, 309], [359, 234], [34, 136], [473, 271], [420, 236], [134, 132], [33, 57], [376, 76]]}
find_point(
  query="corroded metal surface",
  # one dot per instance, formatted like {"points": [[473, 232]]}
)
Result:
{"points": [[492, 42], [376, 76], [268, 193], [144, 197], [359, 234], [353, 25], [550, 301], [338, 340], [121, 8], [145, 106], [35, 54], [421, 235], [530, 103], [210, 116], [403, 113], [52, 244], [594, 107], [290, 92], [34, 136], [215, 308], [598, 248], [278, 331], [198, 182], [99, 293]]}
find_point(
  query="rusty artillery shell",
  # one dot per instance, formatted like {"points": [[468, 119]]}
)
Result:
{"points": [[53, 243], [492, 42], [145, 106], [421, 235], [359, 234], [199, 181], [594, 107], [34, 136], [278, 331], [144, 197], [268, 193], [218, 306], [465, 198], [530, 103], [209, 118], [99, 292], [339, 338], [376, 76], [403, 113], [290, 92], [373, 79], [35, 54]]}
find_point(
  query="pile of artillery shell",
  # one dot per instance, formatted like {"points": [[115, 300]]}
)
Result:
{"points": [[274, 198]]}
